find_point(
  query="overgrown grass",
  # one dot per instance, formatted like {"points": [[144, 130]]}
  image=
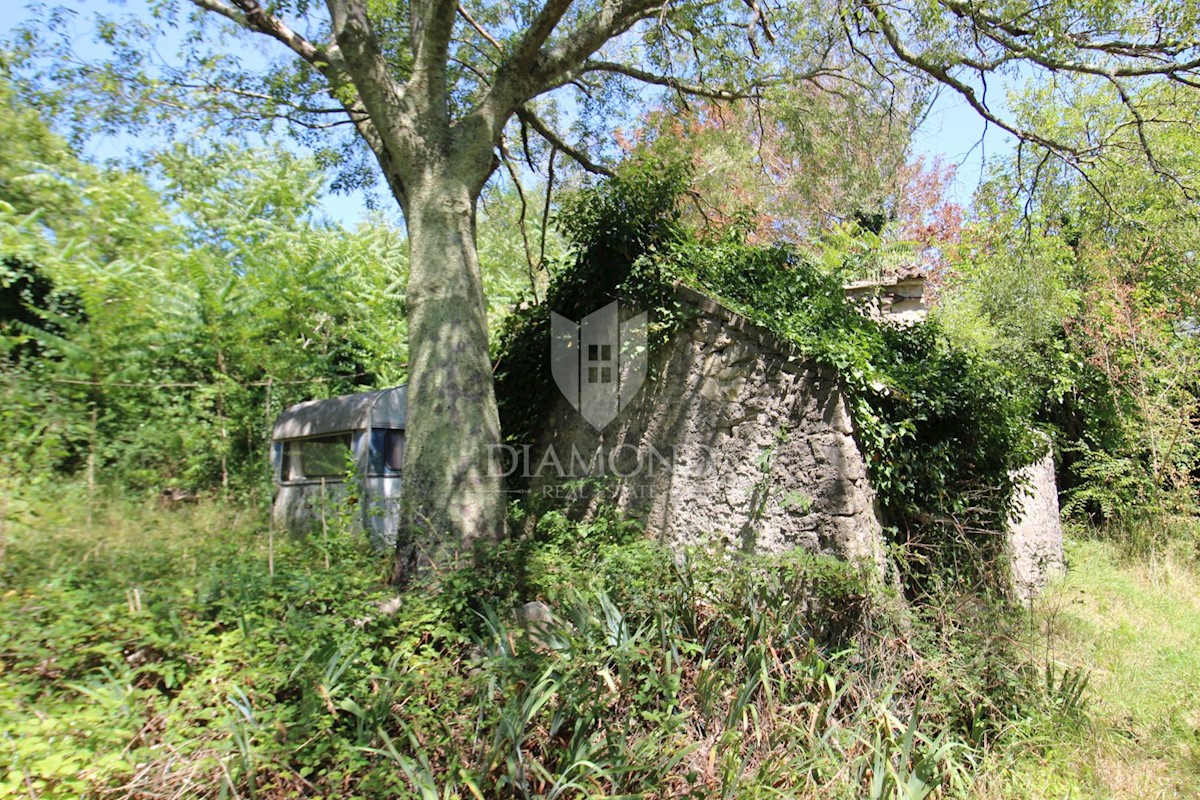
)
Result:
{"points": [[1128, 612], [154, 654]]}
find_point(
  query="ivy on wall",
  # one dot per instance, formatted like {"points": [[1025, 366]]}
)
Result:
{"points": [[940, 428]]}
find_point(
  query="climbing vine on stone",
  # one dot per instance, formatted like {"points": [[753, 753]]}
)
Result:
{"points": [[941, 429]]}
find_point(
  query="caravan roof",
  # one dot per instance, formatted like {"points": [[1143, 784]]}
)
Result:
{"points": [[386, 408]]}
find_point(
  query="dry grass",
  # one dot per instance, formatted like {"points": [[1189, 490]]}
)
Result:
{"points": [[1134, 624]]}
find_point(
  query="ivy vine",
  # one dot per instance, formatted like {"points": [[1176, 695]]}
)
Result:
{"points": [[940, 428]]}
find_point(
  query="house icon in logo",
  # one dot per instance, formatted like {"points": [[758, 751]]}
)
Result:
{"points": [[598, 363]]}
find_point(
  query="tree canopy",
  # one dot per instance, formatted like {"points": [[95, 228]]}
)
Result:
{"points": [[433, 91]]}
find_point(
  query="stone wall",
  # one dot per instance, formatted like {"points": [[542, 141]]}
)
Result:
{"points": [[735, 439], [732, 439], [898, 299]]}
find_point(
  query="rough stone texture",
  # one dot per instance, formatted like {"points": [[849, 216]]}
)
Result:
{"points": [[1035, 536], [756, 444], [898, 299]]}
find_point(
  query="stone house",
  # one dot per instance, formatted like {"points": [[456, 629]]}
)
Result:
{"points": [[735, 438], [749, 445]]}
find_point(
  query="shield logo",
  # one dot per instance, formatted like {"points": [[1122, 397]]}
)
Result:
{"points": [[598, 363]]}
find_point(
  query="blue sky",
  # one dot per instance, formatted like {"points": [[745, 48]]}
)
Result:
{"points": [[952, 130]]}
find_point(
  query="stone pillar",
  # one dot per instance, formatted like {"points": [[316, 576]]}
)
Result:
{"points": [[1035, 538]]}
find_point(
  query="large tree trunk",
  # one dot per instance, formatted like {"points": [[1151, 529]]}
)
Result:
{"points": [[451, 499]]}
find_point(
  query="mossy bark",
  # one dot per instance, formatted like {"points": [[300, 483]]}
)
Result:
{"points": [[451, 498]]}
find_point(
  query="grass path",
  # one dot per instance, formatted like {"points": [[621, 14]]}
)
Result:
{"points": [[1134, 625]]}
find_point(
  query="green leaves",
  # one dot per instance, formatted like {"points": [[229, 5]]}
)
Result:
{"points": [[1086, 287], [169, 329]]}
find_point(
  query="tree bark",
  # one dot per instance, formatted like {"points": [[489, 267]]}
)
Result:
{"points": [[450, 500]]}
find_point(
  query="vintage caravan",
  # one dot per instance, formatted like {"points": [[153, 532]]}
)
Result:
{"points": [[326, 451]]}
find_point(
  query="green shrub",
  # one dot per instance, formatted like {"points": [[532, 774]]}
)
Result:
{"points": [[185, 652]]}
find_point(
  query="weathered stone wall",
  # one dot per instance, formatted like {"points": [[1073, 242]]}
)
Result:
{"points": [[1035, 537], [735, 439], [898, 299], [732, 439]]}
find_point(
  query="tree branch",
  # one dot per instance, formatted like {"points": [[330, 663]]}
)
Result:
{"points": [[249, 14], [696, 90], [1140, 128], [613, 18], [462, 12], [516, 179], [330, 63], [228, 12], [526, 115], [385, 101], [537, 34], [941, 73], [300, 108], [432, 23], [1008, 35], [355, 36]]}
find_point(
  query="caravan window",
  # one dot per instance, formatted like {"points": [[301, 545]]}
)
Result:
{"points": [[320, 457], [393, 450], [387, 451]]}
